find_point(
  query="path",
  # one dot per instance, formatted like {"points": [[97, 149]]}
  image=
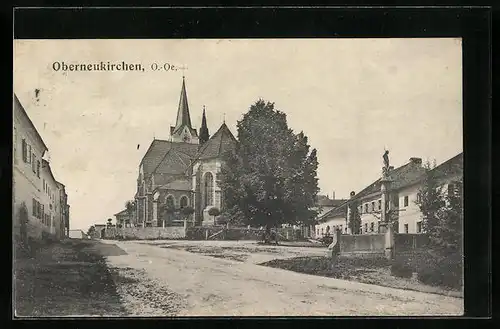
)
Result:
{"points": [[222, 287]]}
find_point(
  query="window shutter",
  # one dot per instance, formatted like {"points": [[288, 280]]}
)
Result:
{"points": [[25, 151]]}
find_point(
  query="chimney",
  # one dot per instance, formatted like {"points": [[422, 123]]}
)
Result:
{"points": [[333, 195], [352, 194], [391, 168], [416, 161]]}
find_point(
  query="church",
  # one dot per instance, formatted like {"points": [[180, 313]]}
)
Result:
{"points": [[181, 172]]}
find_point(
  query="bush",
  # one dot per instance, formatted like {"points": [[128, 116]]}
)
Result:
{"points": [[445, 271], [401, 270]]}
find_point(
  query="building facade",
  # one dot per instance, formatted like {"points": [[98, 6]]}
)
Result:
{"points": [[36, 203], [181, 172], [403, 194]]}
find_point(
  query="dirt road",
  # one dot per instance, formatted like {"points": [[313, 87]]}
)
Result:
{"points": [[208, 286]]}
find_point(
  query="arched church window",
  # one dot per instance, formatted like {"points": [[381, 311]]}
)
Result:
{"points": [[209, 189], [170, 201], [184, 201]]}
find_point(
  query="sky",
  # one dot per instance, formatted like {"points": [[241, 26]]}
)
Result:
{"points": [[351, 97]]}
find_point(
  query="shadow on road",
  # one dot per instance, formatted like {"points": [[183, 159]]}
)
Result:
{"points": [[68, 278]]}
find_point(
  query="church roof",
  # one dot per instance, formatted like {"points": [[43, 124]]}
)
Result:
{"points": [[223, 140], [183, 116], [158, 150], [175, 183]]}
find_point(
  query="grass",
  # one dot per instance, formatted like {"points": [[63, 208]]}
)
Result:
{"points": [[65, 279], [372, 271]]}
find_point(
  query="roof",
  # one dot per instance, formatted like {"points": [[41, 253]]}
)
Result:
{"points": [[123, 212], [400, 177], [180, 184], [183, 117], [222, 141], [159, 148], [453, 166], [46, 164], [341, 210], [174, 162], [325, 201], [23, 112]]}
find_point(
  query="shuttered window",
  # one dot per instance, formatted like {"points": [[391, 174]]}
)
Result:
{"points": [[25, 150]]}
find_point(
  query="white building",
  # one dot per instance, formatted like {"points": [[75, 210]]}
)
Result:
{"points": [[77, 234], [406, 182], [34, 188], [27, 185]]}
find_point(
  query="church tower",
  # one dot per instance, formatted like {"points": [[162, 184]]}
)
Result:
{"points": [[204, 136], [183, 131]]}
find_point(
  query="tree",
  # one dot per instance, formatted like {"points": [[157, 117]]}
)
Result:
{"points": [[354, 217], [214, 212], [130, 206], [442, 221], [270, 178], [430, 201], [91, 231], [187, 211]]}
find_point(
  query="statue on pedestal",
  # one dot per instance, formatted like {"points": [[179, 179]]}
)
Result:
{"points": [[385, 169]]}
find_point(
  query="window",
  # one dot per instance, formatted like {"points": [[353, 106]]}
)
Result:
{"points": [[24, 150], [406, 201], [317, 231], [366, 207], [184, 201], [418, 197], [29, 153], [379, 204], [170, 201], [372, 226], [366, 227], [406, 228], [209, 189], [373, 206], [419, 227], [33, 163], [345, 229], [38, 169], [327, 229], [340, 228], [322, 230]]}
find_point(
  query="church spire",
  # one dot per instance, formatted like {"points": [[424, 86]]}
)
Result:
{"points": [[204, 136], [183, 118]]}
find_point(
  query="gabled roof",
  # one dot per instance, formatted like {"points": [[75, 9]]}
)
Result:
{"points": [[123, 212], [23, 113], [341, 210], [159, 149], [222, 141]]}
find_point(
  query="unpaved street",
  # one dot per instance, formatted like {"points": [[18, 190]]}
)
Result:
{"points": [[200, 285]]}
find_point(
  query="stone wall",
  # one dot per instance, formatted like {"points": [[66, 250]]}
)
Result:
{"points": [[410, 251], [145, 233], [362, 245]]}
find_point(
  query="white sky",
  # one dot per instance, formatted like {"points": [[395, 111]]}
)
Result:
{"points": [[351, 97]]}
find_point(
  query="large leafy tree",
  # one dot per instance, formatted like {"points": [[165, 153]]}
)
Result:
{"points": [[431, 201], [442, 221], [270, 178]]}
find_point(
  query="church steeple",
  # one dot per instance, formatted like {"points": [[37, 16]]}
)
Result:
{"points": [[183, 131], [183, 117], [204, 136]]}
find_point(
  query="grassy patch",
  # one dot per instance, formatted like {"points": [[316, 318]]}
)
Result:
{"points": [[368, 270], [65, 279]]}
